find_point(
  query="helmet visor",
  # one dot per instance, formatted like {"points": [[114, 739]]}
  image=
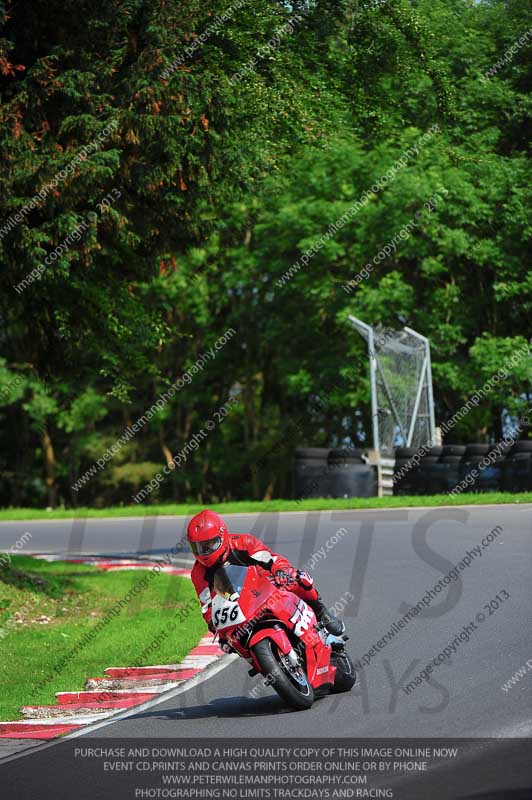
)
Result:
{"points": [[207, 546]]}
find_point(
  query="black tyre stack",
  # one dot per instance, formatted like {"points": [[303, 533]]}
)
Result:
{"points": [[451, 457], [405, 472], [349, 475], [481, 469], [470, 468], [415, 476], [517, 468], [432, 473], [342, 472], [321, 472], [311, 472]]}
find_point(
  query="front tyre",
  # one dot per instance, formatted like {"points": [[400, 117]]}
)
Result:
{"points": [[290, 682], [345, 677]]}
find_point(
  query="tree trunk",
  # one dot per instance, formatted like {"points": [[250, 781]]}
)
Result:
{"points": [[166, 450], [269, 490], [49, 467]]}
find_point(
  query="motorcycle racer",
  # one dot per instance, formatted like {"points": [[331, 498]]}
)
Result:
{"points": [[212, 545]]}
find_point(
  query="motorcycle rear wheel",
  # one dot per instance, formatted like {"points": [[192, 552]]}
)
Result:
{"points": [[293, 688]]}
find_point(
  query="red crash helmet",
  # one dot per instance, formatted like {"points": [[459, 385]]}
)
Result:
{"points": [[208, 537]]}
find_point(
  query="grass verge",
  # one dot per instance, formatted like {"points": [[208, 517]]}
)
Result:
{"points": [[257, 506], [47, 647]]}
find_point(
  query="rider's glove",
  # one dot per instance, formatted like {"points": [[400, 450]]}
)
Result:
{"points": [[305, 580], [285, 578]]}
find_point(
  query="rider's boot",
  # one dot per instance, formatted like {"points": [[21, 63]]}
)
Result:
{"points": [[332, 623]]}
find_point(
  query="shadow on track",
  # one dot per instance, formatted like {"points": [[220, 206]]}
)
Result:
{"points": [[227, 707]]}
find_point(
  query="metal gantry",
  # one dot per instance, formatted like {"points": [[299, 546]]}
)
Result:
{"points": [[402, 400]]}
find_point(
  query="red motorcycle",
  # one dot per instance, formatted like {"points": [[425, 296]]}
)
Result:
{"points": [[280, 636]]}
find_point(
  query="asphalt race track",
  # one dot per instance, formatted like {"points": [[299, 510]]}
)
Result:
{"points": [[376, 564]]}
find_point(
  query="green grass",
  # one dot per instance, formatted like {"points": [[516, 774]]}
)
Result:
{"points": [[257, 506], [65, 601]]}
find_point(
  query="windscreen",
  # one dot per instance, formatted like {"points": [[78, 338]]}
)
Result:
{"points": [[229, 579]]}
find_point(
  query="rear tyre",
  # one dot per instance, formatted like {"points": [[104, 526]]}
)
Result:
{"points": [[345, 677], [291, 684]]}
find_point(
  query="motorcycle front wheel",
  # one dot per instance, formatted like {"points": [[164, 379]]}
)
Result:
{"points": [[290, 682], [346, 676]]}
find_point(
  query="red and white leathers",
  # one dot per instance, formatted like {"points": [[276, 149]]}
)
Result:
{"points": [[247, 550]]}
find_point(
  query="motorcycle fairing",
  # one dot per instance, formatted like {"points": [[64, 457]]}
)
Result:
{"points": [[250, 596]]}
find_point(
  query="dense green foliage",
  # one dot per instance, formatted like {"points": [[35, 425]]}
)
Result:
{"points": [[206, 172]]}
